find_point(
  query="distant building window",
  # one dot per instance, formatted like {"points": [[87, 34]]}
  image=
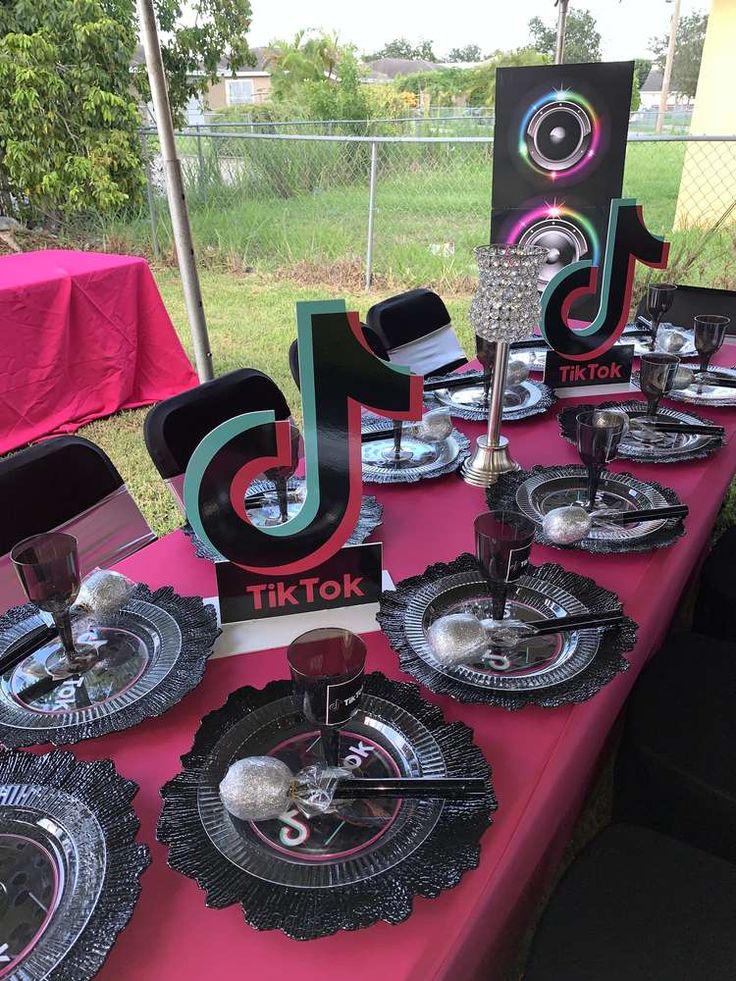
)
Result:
{"points": [[239, 90]]}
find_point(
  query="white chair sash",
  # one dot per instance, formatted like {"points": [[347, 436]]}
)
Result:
{"points": [[429, 353]]}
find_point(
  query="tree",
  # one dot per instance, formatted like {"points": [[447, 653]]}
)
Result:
{"points": [[642, 67], [582, 39], [688, 53], [68, 117], [307, 58], [471, 52], [401, 48]]}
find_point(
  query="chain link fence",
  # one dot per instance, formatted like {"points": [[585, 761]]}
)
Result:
{"points": [[409, 209]]}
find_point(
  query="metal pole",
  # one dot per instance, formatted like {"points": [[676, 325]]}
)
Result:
{"points": [[371, 215], [561, 24], [151, 196], [667, 74], [175, 190], [200, 157]]}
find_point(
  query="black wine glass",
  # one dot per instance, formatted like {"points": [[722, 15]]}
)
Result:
{"points": [[503, 542], [280, 475], [598, 438], [660, 297], [486, 353], [48, 568], [327, 672], [656, 377], [710, 333]]}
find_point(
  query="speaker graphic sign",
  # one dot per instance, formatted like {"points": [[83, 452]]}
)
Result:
{"points": [[559, 152]]}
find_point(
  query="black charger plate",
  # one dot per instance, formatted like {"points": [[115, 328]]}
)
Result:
{"points": [[154, 652], [570, 667], [669, 448], [537, 491], [69, 864], [313, 877]]}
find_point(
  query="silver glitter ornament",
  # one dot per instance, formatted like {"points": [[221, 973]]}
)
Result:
{"points": [[516, 373], [435, 426], [103, 592], [563, 526], [458, 638], [671, 341], [256, 788]]}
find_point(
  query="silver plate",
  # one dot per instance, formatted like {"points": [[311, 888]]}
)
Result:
{"points": [[429, 459], [665, 447], [519, 401], [712, 394], [552, 659], [542, 493], [642, 346]]}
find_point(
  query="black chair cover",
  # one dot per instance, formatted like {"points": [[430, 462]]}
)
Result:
{"points": [[676, 767], [690, 301], [408, 317], [638, 906], [716, 603], [48, 484], [174, 428]]}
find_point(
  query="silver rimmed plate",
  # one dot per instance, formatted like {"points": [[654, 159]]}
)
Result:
{"points": [[427, 460], [549, 671], [69, 865], [530, 398], [708, 394], [540, 490], [313, 876], [658, 448], [670, 340], [150, 654], [268, 514]]}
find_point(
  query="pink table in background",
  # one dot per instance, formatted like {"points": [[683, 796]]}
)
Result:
{"points": [[542, 759], [82, 335]]}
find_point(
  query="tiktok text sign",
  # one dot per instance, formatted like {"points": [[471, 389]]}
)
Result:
{"points": [[338, 374], [628, 240]]}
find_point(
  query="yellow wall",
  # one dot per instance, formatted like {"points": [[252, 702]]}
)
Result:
{"points": [[708, 184]]}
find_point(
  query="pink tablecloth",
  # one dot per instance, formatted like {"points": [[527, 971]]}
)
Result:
{"points": [[542, 759], [81, 335]]}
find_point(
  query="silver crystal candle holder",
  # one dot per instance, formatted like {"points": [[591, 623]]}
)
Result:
{"points": [[505, 308]]}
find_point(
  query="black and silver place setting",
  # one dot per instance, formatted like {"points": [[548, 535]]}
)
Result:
{"points": [[406, 452], [87, 657], [587, 506], [70, 867], [327, 802], [493, 628], [466, 394]]}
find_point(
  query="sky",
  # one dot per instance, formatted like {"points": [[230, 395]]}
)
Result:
{"points": [[625, 25]]}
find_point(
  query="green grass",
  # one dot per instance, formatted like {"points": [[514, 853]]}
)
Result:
{"points": [[251, 322], [306, 202]]}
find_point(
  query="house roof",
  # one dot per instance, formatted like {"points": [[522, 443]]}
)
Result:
{"points": [[388, 68], [223, 67], [653, 81]]}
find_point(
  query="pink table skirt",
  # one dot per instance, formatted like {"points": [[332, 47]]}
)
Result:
{"points": [[542, 759], [82, 335]]}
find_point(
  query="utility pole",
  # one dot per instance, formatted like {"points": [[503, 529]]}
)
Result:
{"points": [[667, 74], [561, 24], [175, 191]]}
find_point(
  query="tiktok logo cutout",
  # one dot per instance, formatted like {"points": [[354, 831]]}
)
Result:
{"points": [[628, 239], [338, 374]]}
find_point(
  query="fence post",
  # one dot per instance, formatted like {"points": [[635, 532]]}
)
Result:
{"points": [[371, 215], [151, 196], [200, 157]]}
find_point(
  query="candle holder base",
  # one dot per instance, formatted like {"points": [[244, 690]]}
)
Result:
{"points": [[487, 463]]}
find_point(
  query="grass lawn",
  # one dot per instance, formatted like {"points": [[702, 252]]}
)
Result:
{"points": [[252, 323]]}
